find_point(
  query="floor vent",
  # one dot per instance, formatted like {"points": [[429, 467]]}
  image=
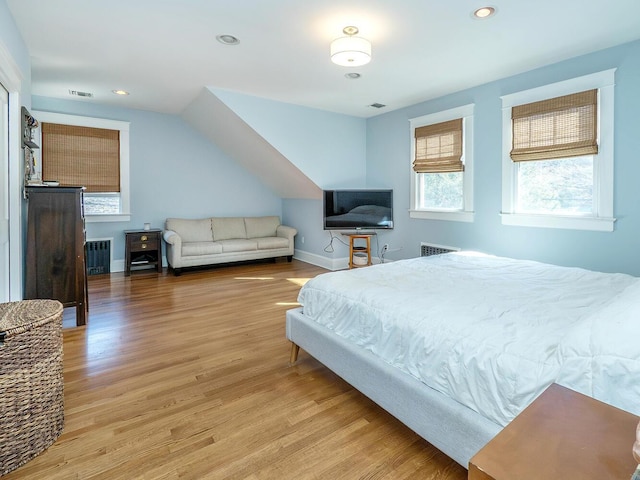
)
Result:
{"points": [[98, 257], [428, 249]]}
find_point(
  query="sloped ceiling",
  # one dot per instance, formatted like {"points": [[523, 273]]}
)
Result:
{"points": [[210, 116]]}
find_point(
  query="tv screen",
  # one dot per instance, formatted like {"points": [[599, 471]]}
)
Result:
{"points": [[358, 209]]}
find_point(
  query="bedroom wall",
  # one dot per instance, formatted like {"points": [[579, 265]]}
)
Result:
{"points": [[174, 172], [328, 147], [388, 163], [15, 74]]}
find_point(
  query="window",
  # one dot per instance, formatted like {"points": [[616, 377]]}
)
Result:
{"points": [[90, 152], [558, 155], [442, 165]]}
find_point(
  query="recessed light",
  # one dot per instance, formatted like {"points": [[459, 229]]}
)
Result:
{"points": [[120, 92], [352, 75], [484, 12], [377, 105], [227, 39]]}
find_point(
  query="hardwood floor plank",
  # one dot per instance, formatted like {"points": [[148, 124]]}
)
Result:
{"points": [[189, 378]]}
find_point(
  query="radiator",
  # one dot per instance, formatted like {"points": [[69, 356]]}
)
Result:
{"points": [[98, 257], [428, 249]]}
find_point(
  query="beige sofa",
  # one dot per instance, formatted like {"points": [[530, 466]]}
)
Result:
{"points": [[216, 240]]}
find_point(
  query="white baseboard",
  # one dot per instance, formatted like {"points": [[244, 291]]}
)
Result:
{"points": [[332, 264]]}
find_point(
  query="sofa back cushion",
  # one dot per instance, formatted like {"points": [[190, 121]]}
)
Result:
{"points": [[260, 227], [226, 228], [191, 230]]}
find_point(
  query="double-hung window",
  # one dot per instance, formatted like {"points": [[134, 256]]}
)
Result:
{"points": [[442, 165], [89, 152], [558, 155]]}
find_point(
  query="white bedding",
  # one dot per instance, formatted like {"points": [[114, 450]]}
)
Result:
{"points": [[486, 331]]}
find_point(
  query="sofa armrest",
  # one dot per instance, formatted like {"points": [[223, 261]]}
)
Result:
{"points": [[286, 232], [174, 248], [289, 233], [171, 237]]}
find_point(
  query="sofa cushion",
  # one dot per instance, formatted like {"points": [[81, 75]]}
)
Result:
{"points": [[225, 228], [190, 249], [191, 230], [238, 245], [259, 227], [268, 243]]}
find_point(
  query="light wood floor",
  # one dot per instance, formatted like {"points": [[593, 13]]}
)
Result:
{"points": [[188, 377]]}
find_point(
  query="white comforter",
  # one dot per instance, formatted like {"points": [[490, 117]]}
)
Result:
{"points": [[486, 331]]}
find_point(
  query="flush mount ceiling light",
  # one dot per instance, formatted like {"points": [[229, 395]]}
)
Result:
{"points": [[120, 92], [484, 12], [350, 51], [227, 39]]}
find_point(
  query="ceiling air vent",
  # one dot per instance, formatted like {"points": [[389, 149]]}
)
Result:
{"points": [[377, 105], [80, 94]]}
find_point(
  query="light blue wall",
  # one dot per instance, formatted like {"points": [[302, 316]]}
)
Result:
{"points": [[388, 164], [14, 44], [328, 147], [175, 172]]}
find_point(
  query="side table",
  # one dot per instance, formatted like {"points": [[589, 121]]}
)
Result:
{"points": [[562, 434], [143, 247], [364, 250]]}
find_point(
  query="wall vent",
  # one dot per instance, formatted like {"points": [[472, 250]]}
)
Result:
{"points": [[98, 257], [78, 93], [428, 249]]}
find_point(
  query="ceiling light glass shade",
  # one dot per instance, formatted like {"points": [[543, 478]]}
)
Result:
{"points": [[350, 51]]}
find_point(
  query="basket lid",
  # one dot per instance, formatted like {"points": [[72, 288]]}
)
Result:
{"points": [[17, 317]]}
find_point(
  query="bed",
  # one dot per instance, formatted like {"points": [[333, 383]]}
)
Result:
{"points": [[456, 345]]}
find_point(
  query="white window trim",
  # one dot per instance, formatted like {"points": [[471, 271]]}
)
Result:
{"points": [[467, 214], [602, 220], [123, 127]]}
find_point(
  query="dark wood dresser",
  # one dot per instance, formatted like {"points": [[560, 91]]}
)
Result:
{"points": [[56, 263]]}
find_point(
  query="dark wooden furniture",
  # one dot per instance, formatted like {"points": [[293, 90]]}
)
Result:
{"points": [[562, 434], [56, 262], [143, 247], [359, 247]]}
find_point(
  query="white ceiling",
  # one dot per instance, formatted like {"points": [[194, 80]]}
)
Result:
{"points": [[165, 51]]}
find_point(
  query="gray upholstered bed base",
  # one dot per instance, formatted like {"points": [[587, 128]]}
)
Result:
{"points": [[453, 428]]}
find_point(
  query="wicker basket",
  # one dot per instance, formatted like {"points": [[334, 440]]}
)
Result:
{"points": [[31, 384]]}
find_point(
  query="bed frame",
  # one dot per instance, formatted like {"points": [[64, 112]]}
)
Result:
{"points": [[451, 427]]}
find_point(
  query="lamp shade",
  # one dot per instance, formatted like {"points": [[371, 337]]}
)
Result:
{"points": [[350, 51]]}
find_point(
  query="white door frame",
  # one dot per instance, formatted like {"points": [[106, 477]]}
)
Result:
{"points": [[4, 195], [12, 80]]}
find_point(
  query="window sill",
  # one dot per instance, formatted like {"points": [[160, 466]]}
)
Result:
{"points": [[556, 221], [108, 217], [447, 215]]}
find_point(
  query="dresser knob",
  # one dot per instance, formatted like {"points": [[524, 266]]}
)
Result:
{"points": [[144, 238], [144, 245]]}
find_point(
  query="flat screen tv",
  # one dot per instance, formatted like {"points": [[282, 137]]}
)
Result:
{"points": [[358, 209]]}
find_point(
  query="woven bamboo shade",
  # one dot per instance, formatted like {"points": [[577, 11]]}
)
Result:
{"points": [[439, 148], [556, 128], [81, 156]]}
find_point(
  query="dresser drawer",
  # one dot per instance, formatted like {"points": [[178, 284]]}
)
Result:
{"points": [[138, 246], [143, 237]]}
